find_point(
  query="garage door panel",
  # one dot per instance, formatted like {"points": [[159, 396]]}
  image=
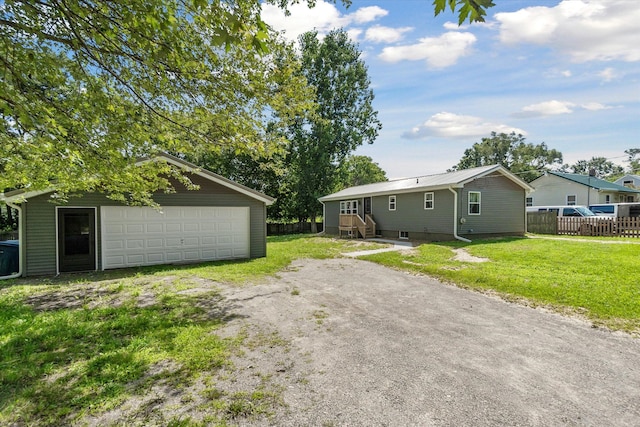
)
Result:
{"points": [[134, 236]]}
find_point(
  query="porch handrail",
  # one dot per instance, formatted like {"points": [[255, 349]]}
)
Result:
{"points": [[370, 223]]}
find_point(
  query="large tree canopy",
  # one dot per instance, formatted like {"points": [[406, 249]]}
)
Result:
{"points": [[511, 151], [343, 119], [602, 168], [359, 170], [89, 86]]}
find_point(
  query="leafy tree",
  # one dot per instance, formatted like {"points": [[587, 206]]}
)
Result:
{"points": [[633, 159], [88, 87], [602, 167], [343, 119], [511, 151], [359, 170]]}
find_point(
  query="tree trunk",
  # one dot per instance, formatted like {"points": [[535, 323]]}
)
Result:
{"points": [[314, 226], [10, 218]]}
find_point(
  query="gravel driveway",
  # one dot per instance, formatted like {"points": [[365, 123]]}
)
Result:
{"points": [[355, 343]]}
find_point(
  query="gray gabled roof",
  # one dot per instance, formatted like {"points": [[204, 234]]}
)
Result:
{"points": [[593, 182], [440, 181], [20, 195]]}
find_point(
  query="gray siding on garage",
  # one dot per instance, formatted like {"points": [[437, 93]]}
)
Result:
{"points": [[502, 208], [40, 219]]}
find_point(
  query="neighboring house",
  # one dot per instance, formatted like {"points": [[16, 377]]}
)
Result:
{"points": [[478, 202], [220, 220], [630, 181], [555, 188]]}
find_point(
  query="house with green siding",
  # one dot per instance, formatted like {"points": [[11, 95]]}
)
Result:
{"points": [[472, 203], [220, 220]]}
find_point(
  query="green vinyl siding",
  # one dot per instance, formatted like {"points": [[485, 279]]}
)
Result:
{"points": [[502, 209], [501, 212], [331, 217], [40, 219], [411, 216]]}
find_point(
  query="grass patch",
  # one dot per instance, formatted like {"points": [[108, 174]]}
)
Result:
{"points": [[83, 344], [596, 280]]}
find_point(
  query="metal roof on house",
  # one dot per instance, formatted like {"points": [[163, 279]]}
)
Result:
{"points": [[593, 182], [439, 181]]}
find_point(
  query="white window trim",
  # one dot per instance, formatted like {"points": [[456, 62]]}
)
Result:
{"points": [[351, 210], [394, 202], [575, 198], [402, 237], [432, 200], [479, 203]]}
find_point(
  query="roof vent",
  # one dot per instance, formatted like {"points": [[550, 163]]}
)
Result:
{"points": [[417, 180], [592, 172]]}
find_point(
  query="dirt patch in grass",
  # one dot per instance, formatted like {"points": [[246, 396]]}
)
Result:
{"points": [[464, 256]]}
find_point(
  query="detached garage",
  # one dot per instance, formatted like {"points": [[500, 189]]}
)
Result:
{"points": [[221, 220]]}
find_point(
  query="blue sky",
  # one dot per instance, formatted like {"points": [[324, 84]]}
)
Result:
{"points": [[566, 73]]}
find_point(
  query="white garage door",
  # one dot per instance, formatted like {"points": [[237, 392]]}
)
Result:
{"points": [[134, 236]]}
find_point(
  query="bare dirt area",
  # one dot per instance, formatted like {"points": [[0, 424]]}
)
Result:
{"points": [[347, 342]]}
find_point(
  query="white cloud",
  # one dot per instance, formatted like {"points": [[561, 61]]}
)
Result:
{"points": [[549, 108], [554, 108], [439, 52], [354, 33], [323, 18], [380, 34], [595, 106], [368, 14], [586, 30], [450, 125], [607, 74], [566, 73]]}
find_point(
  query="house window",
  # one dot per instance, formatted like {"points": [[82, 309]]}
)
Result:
{"points": [[428, 200], [607, 198], [571, 199], [349, 207], [627, 183], [474, 203], [528, 201], [392, 203], [404, 234], [630, 199]]}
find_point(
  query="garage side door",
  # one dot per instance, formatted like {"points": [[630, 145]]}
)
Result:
{"points": [[135, 236]]}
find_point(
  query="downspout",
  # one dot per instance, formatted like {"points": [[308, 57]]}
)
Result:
{"points": [[20, 244], [455, 216], [324, 220]]}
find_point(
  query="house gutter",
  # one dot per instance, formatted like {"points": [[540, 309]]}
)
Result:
{"points": [[455, 216], [20, 244]]}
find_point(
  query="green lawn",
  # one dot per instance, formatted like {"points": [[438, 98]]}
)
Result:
{"points": [[82, 344], [596, 280]]}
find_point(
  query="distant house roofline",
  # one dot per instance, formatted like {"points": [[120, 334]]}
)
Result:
{"points": [[593, 182]]}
